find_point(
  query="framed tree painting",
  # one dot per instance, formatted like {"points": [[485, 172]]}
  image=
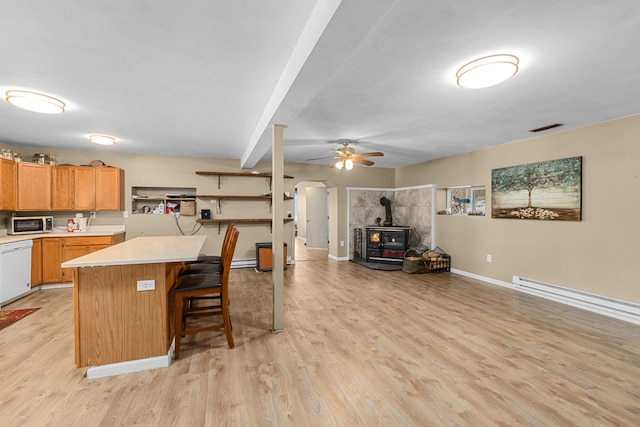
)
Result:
{"points": [[547, 191]]}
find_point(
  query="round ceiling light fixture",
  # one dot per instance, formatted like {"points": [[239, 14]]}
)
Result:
{"points": [[487, 71], [102, 139], [35, 102]]}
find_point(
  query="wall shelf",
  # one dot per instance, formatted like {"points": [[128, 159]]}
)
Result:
{"points": [[221, 221], [267, 175], [222, 197], [219, 197], [148, 199]]}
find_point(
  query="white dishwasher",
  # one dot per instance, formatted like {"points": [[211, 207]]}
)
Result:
{"points": [[15, 270]]}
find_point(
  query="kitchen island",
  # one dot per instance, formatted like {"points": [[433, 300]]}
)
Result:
{"points": [[122, 313]]}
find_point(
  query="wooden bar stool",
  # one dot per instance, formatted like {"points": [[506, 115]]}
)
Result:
{"points": [[197, 285]]}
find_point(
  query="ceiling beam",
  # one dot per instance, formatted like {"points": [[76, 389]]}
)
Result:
{"points": [[333, 32]]}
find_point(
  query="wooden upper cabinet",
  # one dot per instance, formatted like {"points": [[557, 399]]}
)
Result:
{"points": [[85, 188], [63, 188], [109, 189], [34, 186], [8, 193]]}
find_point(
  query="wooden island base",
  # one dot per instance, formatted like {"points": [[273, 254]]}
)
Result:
{"points": [[118, 328]]}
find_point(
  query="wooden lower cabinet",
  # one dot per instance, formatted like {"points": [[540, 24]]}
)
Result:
{"points": [[36, 263], [51, 260], [56, 250]]}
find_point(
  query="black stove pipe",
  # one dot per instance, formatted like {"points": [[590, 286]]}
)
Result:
{"points": [[388, 221]]}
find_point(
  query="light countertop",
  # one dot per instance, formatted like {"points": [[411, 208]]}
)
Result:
{"points": [[143, 250], [94, 230]]}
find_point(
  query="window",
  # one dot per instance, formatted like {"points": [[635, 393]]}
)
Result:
{"points": [[466, 200]]}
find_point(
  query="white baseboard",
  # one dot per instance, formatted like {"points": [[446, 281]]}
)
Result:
{"points": [[120, 368], [335, 258], [57, 285], [618, 309]]}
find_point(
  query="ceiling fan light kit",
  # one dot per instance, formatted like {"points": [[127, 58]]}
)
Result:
{"points": [[33, 101], [487, 71]]}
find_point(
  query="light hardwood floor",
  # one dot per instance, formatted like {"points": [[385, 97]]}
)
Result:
{"points": [[360, 348]]}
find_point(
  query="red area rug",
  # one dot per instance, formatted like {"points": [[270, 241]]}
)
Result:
{"points": [[8, 317]]}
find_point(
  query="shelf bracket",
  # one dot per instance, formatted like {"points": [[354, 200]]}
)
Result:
{"points": [[218, 207], [218, 182], [219, 226]]}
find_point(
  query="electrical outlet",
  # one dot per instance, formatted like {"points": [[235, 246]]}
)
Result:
{"points": [[489, 258], [146, 285], [92, 215], [341, 242], [125, 214]]}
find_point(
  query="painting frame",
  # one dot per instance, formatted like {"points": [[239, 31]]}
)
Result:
{"points": [[550, 190]]}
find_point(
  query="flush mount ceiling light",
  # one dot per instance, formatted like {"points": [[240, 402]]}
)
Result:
{"points": [[33, 101], [487, 71], [102, 139]]}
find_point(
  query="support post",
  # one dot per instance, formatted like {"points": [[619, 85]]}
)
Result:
{"points": [[277, 223]]}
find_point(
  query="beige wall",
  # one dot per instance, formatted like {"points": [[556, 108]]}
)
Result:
{"points": [[597, 254]]}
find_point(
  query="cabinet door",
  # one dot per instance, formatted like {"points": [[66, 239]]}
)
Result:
{"points": [[74, 247], [7, 185], [62, 186], [71, 252], [36, 263], [51, 260], [109, 189], [85, 188], [34, 186]]}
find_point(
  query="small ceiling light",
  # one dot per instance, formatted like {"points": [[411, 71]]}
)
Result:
{"points": [[102, 139], [33, 101], [348, 164], [339, 164], [487, 71]]}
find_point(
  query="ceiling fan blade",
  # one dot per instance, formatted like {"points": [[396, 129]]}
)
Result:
{"points": [[374, 154], [362, 161], [320, 158]]}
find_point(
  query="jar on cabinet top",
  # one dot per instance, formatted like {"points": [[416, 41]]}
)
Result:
{"points": [[40, 158]]}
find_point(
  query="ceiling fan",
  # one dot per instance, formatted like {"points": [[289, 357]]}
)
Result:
{"points": [[346, 156]]}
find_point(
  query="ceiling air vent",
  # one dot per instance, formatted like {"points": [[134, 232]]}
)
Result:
{"points": [[555, 125]]}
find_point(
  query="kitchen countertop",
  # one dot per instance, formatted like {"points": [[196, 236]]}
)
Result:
{"points": [[143, 250], [94, 230]]}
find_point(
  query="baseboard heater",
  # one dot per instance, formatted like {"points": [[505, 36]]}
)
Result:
{"points": [[623, 310], [250, 262]]}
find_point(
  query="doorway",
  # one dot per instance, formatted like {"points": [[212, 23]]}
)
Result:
{"points": [[311, 215]]}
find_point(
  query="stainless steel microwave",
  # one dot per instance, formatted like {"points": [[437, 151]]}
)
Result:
{"points": [[30, 224]]}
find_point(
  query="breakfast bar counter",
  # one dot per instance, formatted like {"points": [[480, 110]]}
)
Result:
{"points": [[121, 305]]}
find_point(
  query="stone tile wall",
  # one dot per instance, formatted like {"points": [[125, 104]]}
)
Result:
{"points": [[410, 207]]}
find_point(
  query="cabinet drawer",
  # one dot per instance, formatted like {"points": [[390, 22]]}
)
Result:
{"points": [[87, 241]]}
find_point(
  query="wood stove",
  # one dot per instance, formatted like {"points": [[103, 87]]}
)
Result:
{"points": [[387, 244]]}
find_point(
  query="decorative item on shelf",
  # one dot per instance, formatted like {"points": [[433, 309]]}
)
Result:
{"points": [[7, 154], [52, 159], [40, 158], [187, 208], [205, 213]]}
